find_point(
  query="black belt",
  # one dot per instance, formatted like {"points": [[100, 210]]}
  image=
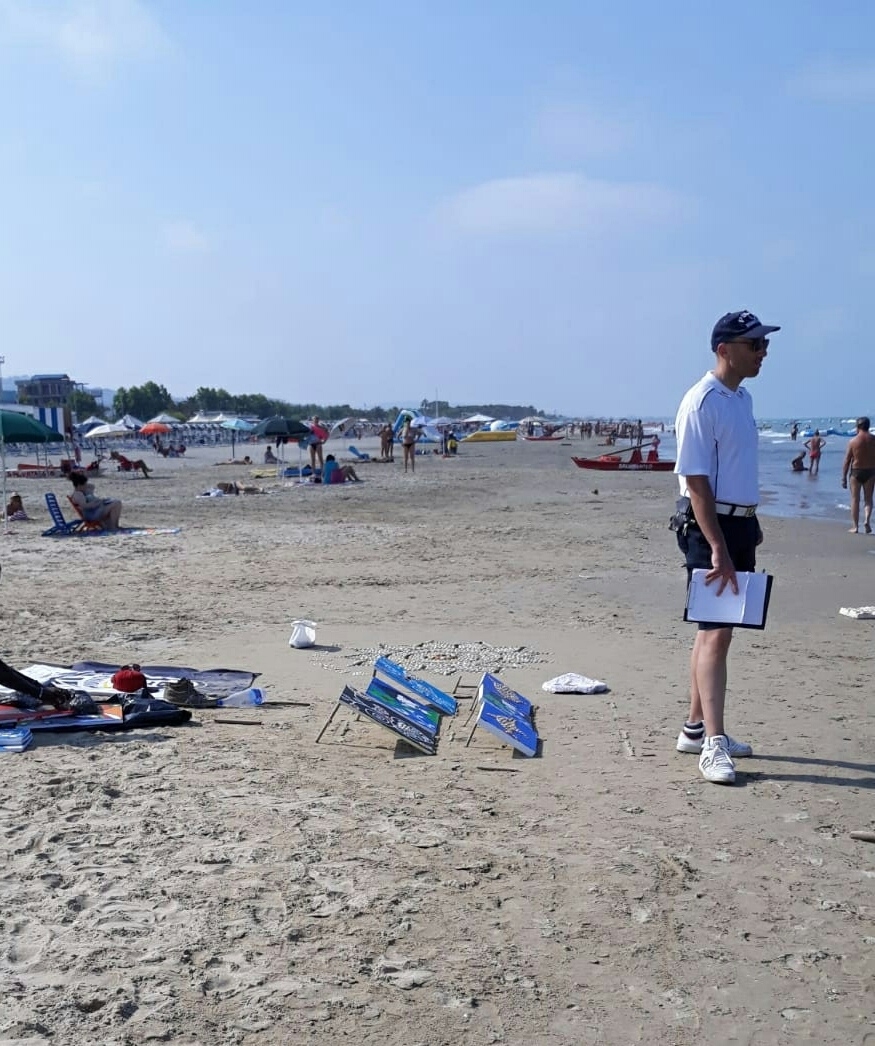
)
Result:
{"points": [[726, 508]]}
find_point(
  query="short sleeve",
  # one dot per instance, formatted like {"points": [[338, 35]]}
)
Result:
{"points": [[696, 440]]}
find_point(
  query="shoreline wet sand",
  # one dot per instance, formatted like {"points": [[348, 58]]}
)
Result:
{"points": [[240, 884]]}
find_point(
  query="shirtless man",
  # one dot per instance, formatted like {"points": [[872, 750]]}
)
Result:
{"points": [[860, 461], [815, 447]]}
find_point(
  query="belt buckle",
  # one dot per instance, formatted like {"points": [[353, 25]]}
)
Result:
{"points": [[750, 510]]}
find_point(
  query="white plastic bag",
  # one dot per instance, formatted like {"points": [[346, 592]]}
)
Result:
{"points": [[303, 634], [571, 683]]}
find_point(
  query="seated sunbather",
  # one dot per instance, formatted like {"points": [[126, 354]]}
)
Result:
{"points": [[127, 465], [15, 509], [105, 511], [332, 472], [269, 457]]}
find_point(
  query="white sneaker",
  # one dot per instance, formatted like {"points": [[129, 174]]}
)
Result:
{"points": [[715, 761], [737, 749]]}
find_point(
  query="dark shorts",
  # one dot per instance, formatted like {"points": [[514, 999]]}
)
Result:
{"points": [[740, 533], [862, 475]]}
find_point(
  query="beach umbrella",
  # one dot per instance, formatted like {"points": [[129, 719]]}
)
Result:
{"points": [[21, 428], [164, 419], [155, 428], [291, 428], [102, 431], [279, 426], [236, 425]]}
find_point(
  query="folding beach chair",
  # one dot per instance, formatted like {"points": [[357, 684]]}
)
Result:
{"points": [[63, 527], [87, 524], [353, 449]]}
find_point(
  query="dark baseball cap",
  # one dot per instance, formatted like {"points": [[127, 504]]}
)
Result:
{"points": [[739, 325]]}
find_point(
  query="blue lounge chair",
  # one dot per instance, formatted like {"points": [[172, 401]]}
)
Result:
{"points": [[357, 453], [63, 527]]}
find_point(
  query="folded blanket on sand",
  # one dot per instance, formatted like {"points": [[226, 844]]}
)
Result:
{"points": [[858, 612], [571, 683]]}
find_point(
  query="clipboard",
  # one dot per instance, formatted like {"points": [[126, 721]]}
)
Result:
{"points": [[747, 609]]}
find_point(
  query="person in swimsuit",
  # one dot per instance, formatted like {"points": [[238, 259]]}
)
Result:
{"points": [[15, 509], [319, 434], [859, 464], [409, 437], [815, 445], [798, 463]]}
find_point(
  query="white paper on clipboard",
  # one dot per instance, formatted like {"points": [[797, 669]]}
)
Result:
{"points": [[747, 607]]}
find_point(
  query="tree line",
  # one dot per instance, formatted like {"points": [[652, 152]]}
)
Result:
{"points": [[145, 401]]}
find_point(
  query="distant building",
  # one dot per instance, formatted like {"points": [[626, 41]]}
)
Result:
{"points": [[46, 390]]}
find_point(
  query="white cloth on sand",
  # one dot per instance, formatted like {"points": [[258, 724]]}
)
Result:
{"points": [[571, 683], [860, 612]]}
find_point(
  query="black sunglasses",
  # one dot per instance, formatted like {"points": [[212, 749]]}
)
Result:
{"points": [[754, 344]]}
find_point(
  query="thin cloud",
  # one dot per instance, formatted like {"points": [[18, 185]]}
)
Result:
{"points": [[579, 129], [554, 204], [90, 36], [832, 81], [184, 237]]}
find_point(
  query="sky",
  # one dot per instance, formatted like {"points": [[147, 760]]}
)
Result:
{"points": [[480, 201]]}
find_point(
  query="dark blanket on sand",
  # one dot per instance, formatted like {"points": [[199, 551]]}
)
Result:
{"points": [[217, 682]]}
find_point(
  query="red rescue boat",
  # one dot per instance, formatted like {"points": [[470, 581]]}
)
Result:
{"points": [[635, 463]]}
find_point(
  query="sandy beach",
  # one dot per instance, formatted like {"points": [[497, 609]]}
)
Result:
{"points": [[220, 883]]}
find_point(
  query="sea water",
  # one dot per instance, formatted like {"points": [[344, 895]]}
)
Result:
{"points": [[797, 495]]}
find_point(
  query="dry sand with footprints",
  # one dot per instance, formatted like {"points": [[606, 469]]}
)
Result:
{"points": [[223, 883]]}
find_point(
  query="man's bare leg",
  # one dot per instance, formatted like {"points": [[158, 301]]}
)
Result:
{"points": [[855, 505], [868, 488], [708, 678]]}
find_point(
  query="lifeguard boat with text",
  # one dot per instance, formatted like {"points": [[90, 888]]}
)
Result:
{"points": [[635, 462]]}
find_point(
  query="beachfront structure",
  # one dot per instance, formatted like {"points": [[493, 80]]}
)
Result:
{"points": [[46, 390]]}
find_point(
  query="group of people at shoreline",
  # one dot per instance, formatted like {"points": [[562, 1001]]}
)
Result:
{"points": [[858, 470]]}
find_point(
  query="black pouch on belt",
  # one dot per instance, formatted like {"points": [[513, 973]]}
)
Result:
{"points": [[682, 517]]}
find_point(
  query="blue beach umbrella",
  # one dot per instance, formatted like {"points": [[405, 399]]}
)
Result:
{"points": [[236, 425]]}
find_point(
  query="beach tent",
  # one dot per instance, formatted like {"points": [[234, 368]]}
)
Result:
{"points": [[91, 422], [130, 422], [476, 419], [163, 419]]}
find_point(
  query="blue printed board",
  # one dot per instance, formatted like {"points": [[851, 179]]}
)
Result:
{"points": [[512, 730], [492, 689], [384, 715], [427, 691], [405, 706], [506, 714]]}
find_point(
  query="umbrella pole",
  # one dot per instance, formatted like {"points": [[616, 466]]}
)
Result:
{"points": [[5, 500]]}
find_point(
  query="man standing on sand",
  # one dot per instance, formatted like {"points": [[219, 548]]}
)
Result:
{"points": [[717, 467], [860, 460]]}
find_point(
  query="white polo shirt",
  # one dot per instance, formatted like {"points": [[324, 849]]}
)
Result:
{"points": [[717, 437]]}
